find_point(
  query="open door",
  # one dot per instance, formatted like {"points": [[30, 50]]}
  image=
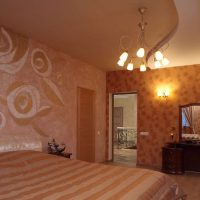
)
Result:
{"points": [[85, 125], [124, 129]]}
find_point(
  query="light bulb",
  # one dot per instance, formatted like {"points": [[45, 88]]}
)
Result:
{"points": [[143, 68], [124, 56], [158, 55], [165, 61], [130, 66], [157, 64], [121, 63], [140, 53]]}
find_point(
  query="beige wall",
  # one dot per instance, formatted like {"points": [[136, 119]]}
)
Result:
{"points": [[129, 104], [38, 93]]}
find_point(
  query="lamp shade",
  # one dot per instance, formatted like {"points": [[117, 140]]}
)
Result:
{"points": [[157, 64], [143, 68], [165, 61], [120, 63], [124, 56], [140, 52], [158, 55], [130, 66]]}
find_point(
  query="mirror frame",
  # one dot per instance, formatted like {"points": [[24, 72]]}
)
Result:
{"points": [[180, 117]]}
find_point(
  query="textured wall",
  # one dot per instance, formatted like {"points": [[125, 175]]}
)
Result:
{"points": [[129, 105], [156, 115], [38, 93]]}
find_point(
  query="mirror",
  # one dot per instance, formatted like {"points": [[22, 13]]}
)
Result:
{"points": [[190, 123]]}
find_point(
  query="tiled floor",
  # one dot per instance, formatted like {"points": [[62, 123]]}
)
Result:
{"points": [[125, 157]]}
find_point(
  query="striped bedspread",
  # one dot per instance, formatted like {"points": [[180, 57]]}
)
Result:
{"points": [[29, 175]]}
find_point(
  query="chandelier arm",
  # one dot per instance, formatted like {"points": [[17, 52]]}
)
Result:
{"points": [[122, 46]]}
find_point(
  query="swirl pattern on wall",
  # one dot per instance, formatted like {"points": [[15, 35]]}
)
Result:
{"points": [[2, 120], [52, 92], [13, 51], [24, 102], [41, 63]]}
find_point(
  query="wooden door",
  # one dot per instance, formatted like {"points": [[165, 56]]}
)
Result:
{"points": [[85, 125]]}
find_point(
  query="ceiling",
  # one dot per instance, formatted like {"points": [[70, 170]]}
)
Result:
{"points": [[91, 30], [184, 47]]}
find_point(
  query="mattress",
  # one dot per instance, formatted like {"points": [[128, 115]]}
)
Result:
{"points": [[31, 175]]}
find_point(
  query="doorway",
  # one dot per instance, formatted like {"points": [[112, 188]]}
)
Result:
{"points": [[124, 129], [85, 125]]}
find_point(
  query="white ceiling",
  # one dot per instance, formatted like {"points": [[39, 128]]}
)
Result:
{"points": [[88, 30], [184, 47]]}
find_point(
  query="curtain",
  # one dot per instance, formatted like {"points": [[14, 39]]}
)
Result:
{"points": [[196, 119], [188, 115]]}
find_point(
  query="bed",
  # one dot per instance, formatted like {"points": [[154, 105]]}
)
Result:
{"points": [[31, 175]]}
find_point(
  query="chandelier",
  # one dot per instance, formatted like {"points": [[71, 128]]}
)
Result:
{"points": [[128, 60]]}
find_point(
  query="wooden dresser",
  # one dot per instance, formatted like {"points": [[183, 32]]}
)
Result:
{"points": [[191, 156], [172, 160], [180, 157]]}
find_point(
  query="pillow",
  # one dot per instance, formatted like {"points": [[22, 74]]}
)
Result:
{"points": [[19, 142]]}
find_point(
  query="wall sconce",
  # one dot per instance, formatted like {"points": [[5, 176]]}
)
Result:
{"points": [[163, 92]]}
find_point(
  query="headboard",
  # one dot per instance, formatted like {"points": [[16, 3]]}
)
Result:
{"points": [[19, 142]]}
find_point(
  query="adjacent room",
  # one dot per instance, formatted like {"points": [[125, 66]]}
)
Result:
{"points": [[99, 100], [125, 129]]}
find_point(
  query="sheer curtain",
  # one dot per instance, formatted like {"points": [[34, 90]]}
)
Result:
{"points": [[189, 117], [196, 119]]}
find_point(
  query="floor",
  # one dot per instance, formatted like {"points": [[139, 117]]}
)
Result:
{"points": [[189, 182], [125, 157]]}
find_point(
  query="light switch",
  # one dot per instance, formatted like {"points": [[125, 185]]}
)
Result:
{"points": [[144, 133]]}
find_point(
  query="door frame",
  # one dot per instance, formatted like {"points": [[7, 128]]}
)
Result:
{"points": [[112, 118]]}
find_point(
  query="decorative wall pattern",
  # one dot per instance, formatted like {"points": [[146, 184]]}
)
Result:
{"points": [[156, 115], [39, 90], [2, 120], [13, 51]]}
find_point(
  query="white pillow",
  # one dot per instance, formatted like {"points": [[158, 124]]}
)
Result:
{"points": [[19, 142]]}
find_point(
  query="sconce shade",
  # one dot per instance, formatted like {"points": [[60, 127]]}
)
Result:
{"points": [[160, 93], [140, 53], [167, 92], [163, 92], [130, 66], [143, 68], [124, 56], [158, 55]]}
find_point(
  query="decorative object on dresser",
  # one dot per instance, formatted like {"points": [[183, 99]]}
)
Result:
{"points": [[54, 148], [172, 159]]}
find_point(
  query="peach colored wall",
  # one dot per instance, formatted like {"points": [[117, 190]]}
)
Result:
{"points": [[155, 115], [38, 93]]}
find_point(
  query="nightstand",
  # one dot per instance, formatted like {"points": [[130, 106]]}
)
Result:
{"points": [[172, 160]]}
